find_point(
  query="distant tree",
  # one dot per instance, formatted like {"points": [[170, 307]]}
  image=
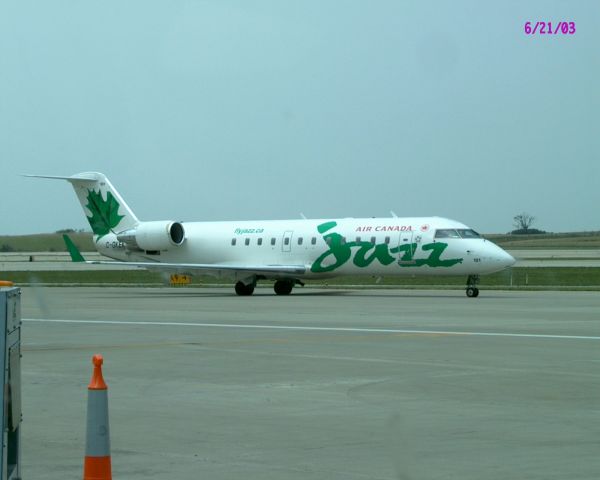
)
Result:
{"points": [[6, 248], [66, 230], [523, 222]]}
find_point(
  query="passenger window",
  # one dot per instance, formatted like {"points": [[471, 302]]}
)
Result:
{"points": [[259, 241], [387, 240], [233, 241], [272, 241], [446, 233], [286, 241], [314, 240], [299, 240], [372, 240], [343, 241], [328, 240], [247, 241], [357, 239]]}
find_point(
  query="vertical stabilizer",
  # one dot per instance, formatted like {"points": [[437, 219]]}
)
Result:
{"points": [[104, 208]]}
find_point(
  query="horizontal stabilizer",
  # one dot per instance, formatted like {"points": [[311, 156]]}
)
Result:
{"points": [[76, 255], [80, 177]]}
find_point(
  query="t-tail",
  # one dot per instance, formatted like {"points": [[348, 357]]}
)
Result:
{"points": [[114, 223], [104, 208]]}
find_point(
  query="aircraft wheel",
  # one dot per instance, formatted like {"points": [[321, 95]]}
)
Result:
{"points": [[242, 289], [283, 287], [472, 292]]}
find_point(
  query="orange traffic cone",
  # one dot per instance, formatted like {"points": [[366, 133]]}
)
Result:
{"points": [[97, 443]]}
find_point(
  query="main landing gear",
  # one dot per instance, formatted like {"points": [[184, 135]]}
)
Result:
{"points": [[472, 290], [243, 289], [281, 287]]}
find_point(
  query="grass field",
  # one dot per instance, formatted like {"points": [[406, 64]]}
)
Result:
{"points": [[45, 242], [517, 278], [53, 242], [576, 240]]}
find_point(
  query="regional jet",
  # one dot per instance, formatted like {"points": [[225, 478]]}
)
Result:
{"points": [[284, 251]]}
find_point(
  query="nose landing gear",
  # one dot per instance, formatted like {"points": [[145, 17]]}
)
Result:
{"points": [[472, 290]]}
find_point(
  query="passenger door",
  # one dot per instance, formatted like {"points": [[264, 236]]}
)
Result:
{"points": [[406, 248]]}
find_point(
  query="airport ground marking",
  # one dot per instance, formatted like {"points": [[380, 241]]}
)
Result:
{"points": [[318, 329]]}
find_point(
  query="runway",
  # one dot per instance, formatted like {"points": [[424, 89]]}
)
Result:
{"points": [[369, 384]]}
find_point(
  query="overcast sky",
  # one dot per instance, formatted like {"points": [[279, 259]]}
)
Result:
{"points": [[241, 110]]}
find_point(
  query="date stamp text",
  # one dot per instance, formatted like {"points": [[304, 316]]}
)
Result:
{"points": [[550, 28]]}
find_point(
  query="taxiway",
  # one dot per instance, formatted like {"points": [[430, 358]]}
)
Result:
{"points": [[369, 384]]}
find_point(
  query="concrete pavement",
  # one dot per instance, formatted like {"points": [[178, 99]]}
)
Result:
{"points": [[319, 385]]}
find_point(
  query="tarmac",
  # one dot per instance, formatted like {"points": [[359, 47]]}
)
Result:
{"points": [[369, 384]]}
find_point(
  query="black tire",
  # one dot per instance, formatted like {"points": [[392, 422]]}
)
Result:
{"points": [[244, 290], [283, 287], [472, 292]]}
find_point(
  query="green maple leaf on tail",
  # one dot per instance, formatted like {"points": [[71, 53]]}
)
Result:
{"points": [[105, 213]]}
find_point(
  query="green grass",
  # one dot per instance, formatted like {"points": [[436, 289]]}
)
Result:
{"points": [[516, 277], [107, 277], [575, 240], [46, 242], [555, 277]]}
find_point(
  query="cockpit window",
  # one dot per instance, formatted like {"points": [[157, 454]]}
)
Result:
{"points": [[468, 233], [446, 233], [458, 233]]}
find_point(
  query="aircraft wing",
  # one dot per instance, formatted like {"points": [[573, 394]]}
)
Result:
{"points": [[191, 267], [210, 267]]}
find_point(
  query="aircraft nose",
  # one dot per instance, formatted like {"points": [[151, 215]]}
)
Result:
{"points": [[502, 257], [507, 259]]}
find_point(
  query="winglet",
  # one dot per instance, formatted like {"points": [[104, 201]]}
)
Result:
{"points": [[73, 251]]}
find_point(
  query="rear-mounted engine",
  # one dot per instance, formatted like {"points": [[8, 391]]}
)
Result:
{"points": [[153, 236]]}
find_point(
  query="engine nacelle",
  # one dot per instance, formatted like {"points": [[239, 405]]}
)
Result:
{"points": [[153, 236]]}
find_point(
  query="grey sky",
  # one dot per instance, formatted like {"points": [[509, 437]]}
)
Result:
{"points": [[263, 109]]}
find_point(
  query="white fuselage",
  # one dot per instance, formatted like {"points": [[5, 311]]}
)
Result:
{"points": [[350, 246]]}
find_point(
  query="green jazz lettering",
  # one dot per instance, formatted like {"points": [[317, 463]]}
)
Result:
{"points": [[365, 253]]}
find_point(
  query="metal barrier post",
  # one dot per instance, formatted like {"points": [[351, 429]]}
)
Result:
{"points": [[10, 394]]}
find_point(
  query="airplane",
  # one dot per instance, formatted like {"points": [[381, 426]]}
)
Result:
{"points": [[285, 251]]}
